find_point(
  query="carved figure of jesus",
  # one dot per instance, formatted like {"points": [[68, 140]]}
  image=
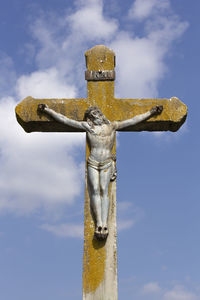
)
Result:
{"points": [[101, 170]]}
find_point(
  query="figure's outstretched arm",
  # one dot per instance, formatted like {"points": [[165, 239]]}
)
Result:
{"points": [[61, 118], [156, 110]]}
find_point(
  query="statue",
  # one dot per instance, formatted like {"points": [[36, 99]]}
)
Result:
{"points": [[101, 168]]}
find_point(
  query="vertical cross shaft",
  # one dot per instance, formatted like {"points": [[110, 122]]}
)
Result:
{"points": [[100, 257]]}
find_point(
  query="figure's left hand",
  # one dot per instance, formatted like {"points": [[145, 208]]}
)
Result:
{"points": [[156, 110]]}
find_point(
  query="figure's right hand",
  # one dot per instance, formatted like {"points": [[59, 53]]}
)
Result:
{"points": [[41, 107], [156, 110]]}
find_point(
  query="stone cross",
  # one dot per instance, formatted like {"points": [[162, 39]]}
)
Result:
{"points": [[100, 256]]}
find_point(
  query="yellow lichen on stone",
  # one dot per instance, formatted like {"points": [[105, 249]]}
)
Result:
{"points": [[100, 58], [93, 261], [101, 94], [29, 118], [74, 108], [173, 109]]}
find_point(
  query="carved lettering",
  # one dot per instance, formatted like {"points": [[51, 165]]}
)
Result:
{"points": [[100, 75]]}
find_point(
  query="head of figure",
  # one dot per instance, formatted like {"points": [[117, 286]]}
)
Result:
{"points": [[95, 115]]}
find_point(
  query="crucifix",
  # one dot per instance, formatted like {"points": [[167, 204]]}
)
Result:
{"points": [[100, 115]]}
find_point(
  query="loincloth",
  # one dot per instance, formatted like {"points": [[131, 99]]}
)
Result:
{"points": [[108, 163], [99, 165]]}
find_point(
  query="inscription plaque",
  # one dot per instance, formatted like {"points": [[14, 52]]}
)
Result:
{"points": [[100, 75]]}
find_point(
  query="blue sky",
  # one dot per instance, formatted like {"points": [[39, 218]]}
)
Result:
{"points": [[42, 175]]}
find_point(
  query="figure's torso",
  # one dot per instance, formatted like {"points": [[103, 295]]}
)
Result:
{"points": [[101, 140]]}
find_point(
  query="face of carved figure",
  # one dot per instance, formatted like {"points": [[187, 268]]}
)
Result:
{"points": [[97, 117]]}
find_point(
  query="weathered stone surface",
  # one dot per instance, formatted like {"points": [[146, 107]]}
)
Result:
{"points": [[172, 117], [31, 120], [100, 258], [100, 57]]}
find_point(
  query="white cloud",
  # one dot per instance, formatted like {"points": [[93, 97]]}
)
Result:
{"points": [[141, 60], [151, 288], [65, 230], [45, 84], [179, 293], [139, 70], [37, 170], [142, 9], [90, 23]]}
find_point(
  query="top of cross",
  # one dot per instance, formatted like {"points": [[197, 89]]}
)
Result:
{"points": [[100, 76], [100, 57]]}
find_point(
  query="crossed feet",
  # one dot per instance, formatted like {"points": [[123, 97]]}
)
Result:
{"points": [[101, 232]]}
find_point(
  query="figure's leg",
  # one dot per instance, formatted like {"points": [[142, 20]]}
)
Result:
{"points": [[105, 202], [94, 194]]}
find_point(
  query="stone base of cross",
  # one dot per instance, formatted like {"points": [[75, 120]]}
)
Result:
{"points": [[100, 256]]}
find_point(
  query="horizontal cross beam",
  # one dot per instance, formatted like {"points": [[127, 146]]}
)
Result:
{"points": [[173, 115]]}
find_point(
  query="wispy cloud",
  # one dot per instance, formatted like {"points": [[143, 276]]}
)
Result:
{"points": [[141, 59], [151, 288], [65, 230], [177, 292], [125, 224], [142, 9], [7, 75], [129, 215]]}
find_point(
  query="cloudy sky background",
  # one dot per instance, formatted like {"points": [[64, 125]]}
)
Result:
{"points": [[42, 174]]}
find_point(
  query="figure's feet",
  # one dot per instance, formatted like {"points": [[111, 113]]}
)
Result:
{"points": [[101, 233], [98, 230], [105, 231]]}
